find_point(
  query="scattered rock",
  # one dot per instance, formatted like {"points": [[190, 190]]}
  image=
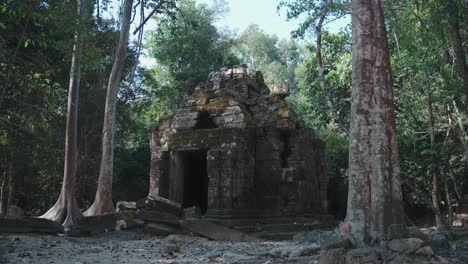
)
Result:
{"points": [[415, 232], [193, 212], [126, 206], [363, 255], [129, 224], [161, 204], [438, 241], [125, 215], [405, 245], [304, 250], [231, 256], [282, 251], [333, 256], [425, 251], [330, 241]]}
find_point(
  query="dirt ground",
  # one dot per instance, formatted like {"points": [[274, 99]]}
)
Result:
{"points": [[127, 247], [134, 247]]}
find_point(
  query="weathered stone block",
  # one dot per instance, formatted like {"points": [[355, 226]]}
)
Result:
{"points": [[162, 204], [158, 217], [158, 229]]}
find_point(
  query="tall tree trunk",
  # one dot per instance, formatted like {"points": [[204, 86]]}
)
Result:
{"points": [[66, 209], [3, 194], [103, 200], [446, 174], [457, 44], [434, 164], [374, 197], [11, 184]]}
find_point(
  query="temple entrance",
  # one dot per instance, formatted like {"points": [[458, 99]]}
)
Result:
{"points": [[195, 179]]}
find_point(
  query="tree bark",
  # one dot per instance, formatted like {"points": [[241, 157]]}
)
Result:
{"points": [[11, 184], [374, 197], [457, 44], [434, 164], [3, 194], [446, 174], [462, 134], [103, 200], [66, 210]]}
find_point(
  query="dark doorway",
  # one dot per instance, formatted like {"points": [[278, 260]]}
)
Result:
{"points": [[204, 121], [195, 180]]}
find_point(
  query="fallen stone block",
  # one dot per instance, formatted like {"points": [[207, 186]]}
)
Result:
{"points": [[129, 224], [333, 256], [331, 241], [215, 232], [405, 245], [163, 205], [29, 225], [438, 241], [140, 203], [304, 250], [193, 212], [364, 255], [425, 251], [464, 222], [125, 215], [415, 232], [126, 206], [158, 229], [157, 217]]}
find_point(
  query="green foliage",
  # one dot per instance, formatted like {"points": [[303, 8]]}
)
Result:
{"points": [[187, 47], [276, 59], [310, 12]]}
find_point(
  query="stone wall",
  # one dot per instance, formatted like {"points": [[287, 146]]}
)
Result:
{"points": [[261, 160]]}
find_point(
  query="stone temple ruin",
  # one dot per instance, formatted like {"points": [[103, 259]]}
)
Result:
{"points": [[236, 150]]}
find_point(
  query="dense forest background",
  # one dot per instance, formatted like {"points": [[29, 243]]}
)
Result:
{"points": [[428, 45]]}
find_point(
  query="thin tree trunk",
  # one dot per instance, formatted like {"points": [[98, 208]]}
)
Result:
{"points": [[446, 177], [462, 134], [3, 198], [320, 68], [457, 44], [458, 196], [426, 199], [11, 184], [66, 209], [374, 196], [434, 164], [449, 204], [103, 200]]}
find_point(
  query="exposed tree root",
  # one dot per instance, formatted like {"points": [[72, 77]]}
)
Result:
{"points": [[65, 212]]}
